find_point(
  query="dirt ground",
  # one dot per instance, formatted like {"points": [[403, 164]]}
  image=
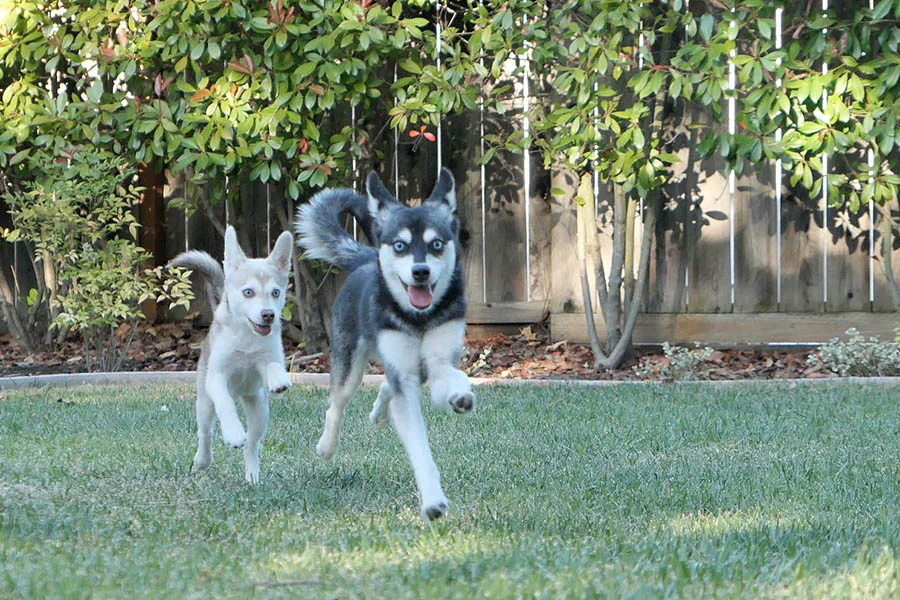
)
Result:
{"points": [[528, 354]]}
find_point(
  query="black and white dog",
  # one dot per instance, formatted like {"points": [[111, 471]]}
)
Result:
{"points": [[402, 305]]}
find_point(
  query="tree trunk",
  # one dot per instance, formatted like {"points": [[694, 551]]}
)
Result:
{"points": [[151, 215], [311, 313]]}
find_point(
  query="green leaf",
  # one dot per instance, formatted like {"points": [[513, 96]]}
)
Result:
{"points": [[95, 91], [18, 157], [882, 9], [706, 27], [410, 66]]}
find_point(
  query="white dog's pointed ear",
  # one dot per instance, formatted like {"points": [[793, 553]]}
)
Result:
{"points": [[282, 252], [380, 200], [234, 256], [444, 191]]}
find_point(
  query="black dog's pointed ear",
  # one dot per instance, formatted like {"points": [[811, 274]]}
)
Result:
{"points": [[380, 200], [444, 191]]}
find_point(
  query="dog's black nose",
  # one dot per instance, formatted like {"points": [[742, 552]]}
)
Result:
{"points": [[267, 316], [420, 273]]}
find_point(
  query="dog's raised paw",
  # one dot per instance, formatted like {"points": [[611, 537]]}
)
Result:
{"points": [[235, 439], [463, 403], [281, 385], [435, 511]]}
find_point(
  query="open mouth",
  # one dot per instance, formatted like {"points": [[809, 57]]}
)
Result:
{"points": [[420, 296], [262, 330]]}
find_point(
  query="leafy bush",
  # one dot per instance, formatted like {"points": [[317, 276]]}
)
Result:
{"points": [[76, 221], [859, 357], [679, 364]]}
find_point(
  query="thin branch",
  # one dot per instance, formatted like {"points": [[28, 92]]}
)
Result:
{"points": [[277, 583]]}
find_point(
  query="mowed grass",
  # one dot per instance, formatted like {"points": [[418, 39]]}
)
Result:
{"points": [[745, 490]]}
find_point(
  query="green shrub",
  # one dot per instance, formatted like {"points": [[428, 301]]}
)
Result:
{"points": [[679, 364], [77, 223], [858, 356]]}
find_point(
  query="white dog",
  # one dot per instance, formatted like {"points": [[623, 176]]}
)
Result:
{"points": [[242, 356]]}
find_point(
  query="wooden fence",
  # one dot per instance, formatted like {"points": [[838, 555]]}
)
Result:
{"points": [[736, 260]]}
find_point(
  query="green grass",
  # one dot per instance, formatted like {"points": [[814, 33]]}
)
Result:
{"points": [[642, 491]]}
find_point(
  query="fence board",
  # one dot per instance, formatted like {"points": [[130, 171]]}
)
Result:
{"points": [[539, 286], [709, 288], [732, 330], [564, 268], [505, 235], [756, 260], [802, 283], [465, 132]]}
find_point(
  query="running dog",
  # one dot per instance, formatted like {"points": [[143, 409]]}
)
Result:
{"points": [[402, 305], [242, 357]]}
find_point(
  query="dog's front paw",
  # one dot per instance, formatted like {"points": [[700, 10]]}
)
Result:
{"points": [[434, 510], [452, 390], [236, 438], [462, 403], [202, 459], [251, 476], [326, 448], [283, 387], [278, 379]]}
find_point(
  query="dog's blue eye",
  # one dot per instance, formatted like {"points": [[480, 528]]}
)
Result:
{"points": [[276, 293], [400, 247], [248, 293], [437, 245]]}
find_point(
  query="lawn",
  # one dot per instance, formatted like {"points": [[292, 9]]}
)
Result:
{"points": [[746, 490]]}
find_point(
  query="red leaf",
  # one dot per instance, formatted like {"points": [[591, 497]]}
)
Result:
{"points": [[200, 95], [239, 67]]}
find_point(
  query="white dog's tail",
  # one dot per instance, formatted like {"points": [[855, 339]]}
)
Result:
{"points": [[321, 235], [206, 265]]}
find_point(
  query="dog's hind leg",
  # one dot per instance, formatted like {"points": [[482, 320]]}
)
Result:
{"points": [[346, 376], [379, 415], [206, 417], [256, 407]]}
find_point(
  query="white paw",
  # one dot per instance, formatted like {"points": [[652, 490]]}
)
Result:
{"points": [[280, 384], [236, 437], [462, 403], [326, 448], [202, 460], [434, 510], [452, 391], [379, 415], [251, 476]]}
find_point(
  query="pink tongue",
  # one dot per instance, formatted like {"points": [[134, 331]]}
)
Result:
{"points": [[419, 295]]}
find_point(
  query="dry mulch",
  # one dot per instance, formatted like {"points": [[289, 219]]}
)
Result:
{"points": [[527, 355]]}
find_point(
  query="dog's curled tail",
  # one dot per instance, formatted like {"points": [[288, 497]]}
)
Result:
{"points": [[206, 265], [321, 235]]}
